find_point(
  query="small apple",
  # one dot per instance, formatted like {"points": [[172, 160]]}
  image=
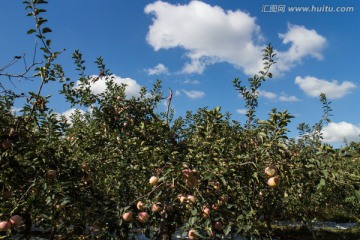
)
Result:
{"points": [[96, 227], [153, 180], [182, 198], [143, 217], [127, 216], [191, 199], [273, 181], [7, 194], [156, 207], [85, 166], [16, 220], [59, 206], [51, 174], [206, 212], [140, 205], [217, 186], [215, 207], [271, 171], [223, 199], [192, 234], [4, 226], [6, 144], [218, 226]]}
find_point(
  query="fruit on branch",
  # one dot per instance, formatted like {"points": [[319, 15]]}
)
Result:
{"points": [[16, 221], [206, 212], [190, 179], [182, 198], [218, 226], [127, 216], [51, 174], [192, 234], [143, 217], [6, 144], [85, 166], [191, 199], [4, 226], [271, 171], [273, 181], [156, 207], [153, 180], [140, 205]]}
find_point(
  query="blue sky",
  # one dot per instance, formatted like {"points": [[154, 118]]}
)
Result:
{"points": [[198, 47]]}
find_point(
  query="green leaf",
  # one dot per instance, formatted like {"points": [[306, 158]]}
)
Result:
{"points": [[31, 31], [321, 184], [46, 30]]}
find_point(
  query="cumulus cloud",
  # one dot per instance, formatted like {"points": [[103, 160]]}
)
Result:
{"points": [[157, 70], [286, 98], [194, 94], [266, 94], [337, 132], [303, 42], [241, 111], [209, 35], [273, 96], [313, 86], [194, 82], [132, 88]]}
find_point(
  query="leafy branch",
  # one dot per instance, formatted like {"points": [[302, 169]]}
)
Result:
{"points": [[251, 95]]}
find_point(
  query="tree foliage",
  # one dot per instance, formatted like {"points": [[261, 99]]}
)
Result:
{"points": [[76, 178]]}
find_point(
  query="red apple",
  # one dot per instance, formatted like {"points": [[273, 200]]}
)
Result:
{"points": [[140, 205], [153, 180], [85, 166], [182, 198], [143, 217], [7, 194], [206, 212], [273, 181], [51, 174], [4, 226], [192, 234], [6, 144], [271, 171], [16, 220], [156, 207], [127, 216], [191, 199], [215, 207], [218, 226]]}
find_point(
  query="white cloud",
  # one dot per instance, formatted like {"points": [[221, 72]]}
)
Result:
{"points": [[132, 87], [337, 132], [194, 94], [157, 70], [273, 96], [286, 98], [209, 35], [241, 111], [268, 95], [303, 42], [313, 86], [194, 82]]}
